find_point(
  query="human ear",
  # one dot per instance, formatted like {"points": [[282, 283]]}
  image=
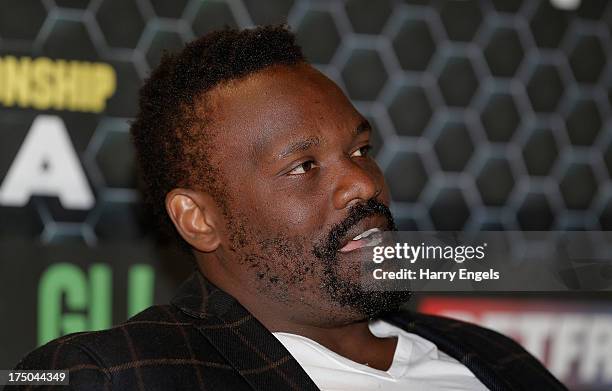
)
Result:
{"points": [[192, 213]]}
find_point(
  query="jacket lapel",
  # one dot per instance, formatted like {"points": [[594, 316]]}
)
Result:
{"points": [[241, 339], [449, 338]]}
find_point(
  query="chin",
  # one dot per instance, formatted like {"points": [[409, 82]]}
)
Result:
{"points": [[367, 304]]}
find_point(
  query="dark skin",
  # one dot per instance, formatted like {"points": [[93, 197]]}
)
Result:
{"points": [[292, 152]]}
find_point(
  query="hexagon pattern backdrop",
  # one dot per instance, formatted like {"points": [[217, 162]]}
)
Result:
{"points": [[488, 114]]}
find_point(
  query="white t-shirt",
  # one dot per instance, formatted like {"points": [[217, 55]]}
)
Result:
{"points": [[417, 365]]}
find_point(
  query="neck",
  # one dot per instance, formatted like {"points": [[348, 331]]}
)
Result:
{"points": [[348, 336], [354, 341]]}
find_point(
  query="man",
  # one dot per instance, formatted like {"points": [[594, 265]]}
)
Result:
{"points": [[260, 164]]}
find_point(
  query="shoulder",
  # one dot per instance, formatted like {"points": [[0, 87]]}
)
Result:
{"points": [[478, 347], [107, 343], [156, 335], [84, 366], [437, 326]]}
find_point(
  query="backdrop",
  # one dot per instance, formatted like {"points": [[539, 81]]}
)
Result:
{"points": [[488, 115]]}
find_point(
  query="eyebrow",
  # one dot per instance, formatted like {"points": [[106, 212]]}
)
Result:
{"points": [[364, 126], [299, 146], [303, 145]]}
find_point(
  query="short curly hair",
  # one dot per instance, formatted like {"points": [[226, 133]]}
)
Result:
{"points": [[169, 133]]}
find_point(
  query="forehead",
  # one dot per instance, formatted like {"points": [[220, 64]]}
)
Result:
{"points": [[278, 102]]}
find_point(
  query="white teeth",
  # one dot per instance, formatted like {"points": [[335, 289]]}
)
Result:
{"points": [[366, 233]]}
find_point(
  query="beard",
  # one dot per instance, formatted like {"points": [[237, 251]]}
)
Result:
{"points": [[284, 265], [369, 304]]}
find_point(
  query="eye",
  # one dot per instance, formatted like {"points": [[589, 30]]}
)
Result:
{"points": [[303, 168], [363, 151]]}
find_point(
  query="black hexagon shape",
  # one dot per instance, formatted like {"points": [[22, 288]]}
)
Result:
{"points": [[169, 9], [61, 214], [213, 15], [504, 52], [607, 155], [406, 223], [545, 88], [490, 224], [21, 222], [70, 40], [570, 225], [406, 176], [81, 127], [592, 9], [318, 36], [605, 217], [587, 59], [414, 45], [449, 210], [578, 186], [77, 4], [548, 25], [116, 160], [410, 111], [121, 23], [162, 41], [275, 11], [461, 19], [507, 5], [583, 122], [500, 117], [540, 152], [535, 213], [458, 81], [120, 221], [364, 62], [60, 237], [124, 102], [366, 16], [14, 14], [453, 146], [495, 181]]}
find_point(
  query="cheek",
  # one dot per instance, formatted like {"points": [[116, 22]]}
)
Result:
{"points": [[268, 212], [294, 215]]}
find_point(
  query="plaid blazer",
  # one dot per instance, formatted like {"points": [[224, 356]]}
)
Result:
{"points": [[205, 340]]}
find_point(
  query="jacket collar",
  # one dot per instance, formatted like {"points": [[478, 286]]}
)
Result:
{"points": [[266, 364], [263, 362]]}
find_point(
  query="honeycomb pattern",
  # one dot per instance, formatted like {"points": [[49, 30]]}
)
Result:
{"points": [[414, 57], [368, 17], [11, 23], [504, 51], [495, 181], [545, 88], [410, 110], [540, 151], [488, 114], [120, 22], [500, 116], [364, 62], [212, 15], [457, 81], [461, 19], [317, 34], [587, 59]]}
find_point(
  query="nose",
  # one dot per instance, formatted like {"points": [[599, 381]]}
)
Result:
{"points": [[355, 184]]}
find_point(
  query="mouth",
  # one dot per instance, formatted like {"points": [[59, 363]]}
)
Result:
{"points": [[366, 235]]}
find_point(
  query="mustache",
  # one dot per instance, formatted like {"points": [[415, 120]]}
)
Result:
{"points": [[356, 213]]}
